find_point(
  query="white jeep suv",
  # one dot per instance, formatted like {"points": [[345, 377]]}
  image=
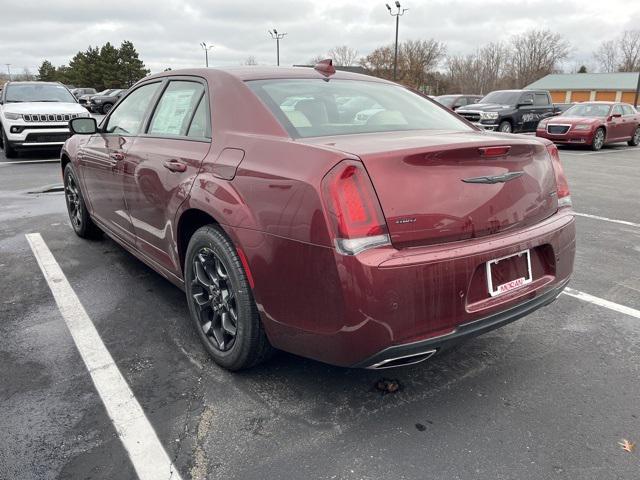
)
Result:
{"points": [[36, 115]]}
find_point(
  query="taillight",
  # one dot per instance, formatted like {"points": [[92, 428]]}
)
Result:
{"points": [[353, 209], [562, 186]]}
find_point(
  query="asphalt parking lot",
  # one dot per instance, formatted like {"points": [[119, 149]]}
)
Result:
{"points": [[549, 396]]}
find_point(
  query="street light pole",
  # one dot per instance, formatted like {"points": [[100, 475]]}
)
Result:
{"points": [[206, 49], [8, 70], [635, 101], [398, 14], [277, 37]]}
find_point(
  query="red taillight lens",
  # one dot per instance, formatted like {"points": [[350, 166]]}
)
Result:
{"points": [[353, 208], [494, 151], [562, 186]]}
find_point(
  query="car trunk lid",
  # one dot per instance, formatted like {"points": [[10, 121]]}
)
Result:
{"points": [[440, 187]]}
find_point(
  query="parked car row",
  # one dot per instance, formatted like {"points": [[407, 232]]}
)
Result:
{"points": [[103, 101]]}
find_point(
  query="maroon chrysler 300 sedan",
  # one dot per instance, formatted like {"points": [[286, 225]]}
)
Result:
{"points": [[593, 124], [294, 223]]}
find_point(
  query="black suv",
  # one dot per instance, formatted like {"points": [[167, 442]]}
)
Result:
{"points": [[510, 110], [103, 103]]}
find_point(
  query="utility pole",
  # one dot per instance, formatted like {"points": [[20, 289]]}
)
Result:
{"points": [[8, 70], [398, 14], [635, 101], [206, 49], [277, 37]]}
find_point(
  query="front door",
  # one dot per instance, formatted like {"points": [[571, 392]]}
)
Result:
{"points": [[616, 126], [162, 164], [102, 158]]}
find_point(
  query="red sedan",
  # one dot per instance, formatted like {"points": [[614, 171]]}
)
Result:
{"points": [[594, 124], [293, 224]]}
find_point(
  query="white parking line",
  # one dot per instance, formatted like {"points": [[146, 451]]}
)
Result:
{"points": [[602, 302], [53, 160], [147, 455], [605, 219]]}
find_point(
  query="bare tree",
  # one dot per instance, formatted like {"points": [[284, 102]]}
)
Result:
{"points": [[416, 60], [316, 59], [536, 53], [629, 46], [343, 56], [250, 61], [607, 56], [480, 72]]}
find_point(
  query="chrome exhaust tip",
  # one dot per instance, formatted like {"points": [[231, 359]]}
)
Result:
{"points": [[403, 361]]}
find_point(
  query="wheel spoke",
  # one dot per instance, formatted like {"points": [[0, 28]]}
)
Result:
{"points": [[218, 334], [228, 324], [201, 275], [206, 327], [202, 300]]}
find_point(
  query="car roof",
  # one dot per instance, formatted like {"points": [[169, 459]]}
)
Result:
{"points": [[266, 73]]}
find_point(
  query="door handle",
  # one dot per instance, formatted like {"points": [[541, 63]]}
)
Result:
{"points": [[175, 165]]}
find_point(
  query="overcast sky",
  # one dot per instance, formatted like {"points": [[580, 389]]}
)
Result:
{"points": [[167, 33]]}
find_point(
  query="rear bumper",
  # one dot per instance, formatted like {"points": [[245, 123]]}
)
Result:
{"points": [[408, 353], [362, 310]]}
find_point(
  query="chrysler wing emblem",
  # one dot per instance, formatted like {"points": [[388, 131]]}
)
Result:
{"points": [[494, 179]]}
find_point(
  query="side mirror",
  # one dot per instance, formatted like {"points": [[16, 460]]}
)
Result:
{"points": [[83, 126], [616, 115]]}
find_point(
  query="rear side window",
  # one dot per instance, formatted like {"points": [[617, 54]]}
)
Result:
{"points": [[316, 107], [176, 108], [540, 100], [128, 116], [199, 127], [628, 110]]}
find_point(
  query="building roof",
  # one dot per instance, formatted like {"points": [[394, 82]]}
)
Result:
{"points": [[587, 81]]}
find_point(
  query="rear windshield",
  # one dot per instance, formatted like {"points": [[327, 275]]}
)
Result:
{"points": [[588, 110], [317, 107]]}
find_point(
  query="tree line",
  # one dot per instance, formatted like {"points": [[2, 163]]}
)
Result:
{"points": [[98, 67], [514, 63]]}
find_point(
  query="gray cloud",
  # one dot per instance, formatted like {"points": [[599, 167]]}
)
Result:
{"points": [[167, 33]]}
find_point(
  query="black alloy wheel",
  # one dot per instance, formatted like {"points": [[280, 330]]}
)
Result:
{"points": [[76, 207], [635, 140], [213, 296], [221, 303]]}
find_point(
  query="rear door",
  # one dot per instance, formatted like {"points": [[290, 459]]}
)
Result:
{"points": [[101, 160], [527, 112], [543, 107], [162, 164], [617, 127], [630, 120]]}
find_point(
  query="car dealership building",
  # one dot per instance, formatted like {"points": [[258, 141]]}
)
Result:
{"points": [[582, 87]]}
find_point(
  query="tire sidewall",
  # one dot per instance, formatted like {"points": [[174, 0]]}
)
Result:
{"points": [[104, 108], [211, 237]]}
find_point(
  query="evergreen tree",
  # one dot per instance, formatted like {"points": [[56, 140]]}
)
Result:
{"points": [[47, 72], [131, 68], [108, 68]]}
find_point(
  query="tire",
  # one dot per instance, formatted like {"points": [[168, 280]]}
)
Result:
{"points": [[106, 107], [598, 139], [221, 303], [505, 127], [76, 206], [635, 140], [9, 151]]}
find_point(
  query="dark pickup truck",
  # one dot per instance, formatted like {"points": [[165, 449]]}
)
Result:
{"points": [[510, 110]]}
